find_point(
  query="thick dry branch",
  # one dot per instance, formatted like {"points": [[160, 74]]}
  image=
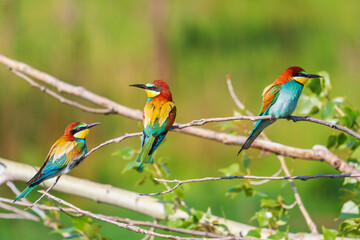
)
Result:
{"points": [[112, 107], [108, 194], [303, 178], [64, 87], [317, 153], [61, 98]]}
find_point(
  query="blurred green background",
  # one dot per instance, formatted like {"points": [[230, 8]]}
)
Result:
{"points": [[107, 45]]}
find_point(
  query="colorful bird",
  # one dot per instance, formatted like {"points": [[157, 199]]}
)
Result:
{"points": [[67, 152], [158, 117], [280, 99]]}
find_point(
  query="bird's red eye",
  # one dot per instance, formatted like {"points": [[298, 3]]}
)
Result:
{"points": [[153, 88], [77, 129]]}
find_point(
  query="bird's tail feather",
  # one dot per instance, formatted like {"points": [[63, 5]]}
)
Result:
{"points": [[145, 155], [259, 127], [26, 191]]}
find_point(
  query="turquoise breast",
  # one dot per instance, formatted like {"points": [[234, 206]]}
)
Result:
{"points": [[287, 99]]}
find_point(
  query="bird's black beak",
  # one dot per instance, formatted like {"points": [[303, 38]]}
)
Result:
{"points": [[313, 76], [92, 125], [139, 86]]}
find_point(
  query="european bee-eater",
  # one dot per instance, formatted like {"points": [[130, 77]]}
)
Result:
{"points": [[67, 152], [280, 99], [158, 117]]}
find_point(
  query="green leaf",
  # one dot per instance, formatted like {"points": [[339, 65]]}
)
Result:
{"points": [[349, 209], [267, 202], [169, 209], [278, 235], [92, 231], [180, 193], [309, 105], [208, 213], [249, 191], [129, 166], [331, 141], [329, 234], [262, 217], [175, 222], [254, 233], [350, 228], [125, 153], [81, 222], [315, 85], [356, 153], [341, 139], [349, 180], [197, 215], [233, 169], [327, 110]]}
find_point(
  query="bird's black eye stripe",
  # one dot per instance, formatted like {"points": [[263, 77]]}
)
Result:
{"points": [[78, 129], [298, 74]]}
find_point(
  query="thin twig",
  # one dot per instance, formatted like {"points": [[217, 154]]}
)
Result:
{"points": [[16, 191], [126, 226], [289, 206], [47, 190], [118, 219], [115, 140], [303, 178], [266, 180], [200, 122], [19, 212], [234, 97]]}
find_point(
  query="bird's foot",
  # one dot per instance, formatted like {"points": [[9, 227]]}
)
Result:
{"points": [[294, 119]]}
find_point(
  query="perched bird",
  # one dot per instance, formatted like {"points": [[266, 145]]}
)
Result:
{"points": [[158, 117], [280, 99], [67, 152]]}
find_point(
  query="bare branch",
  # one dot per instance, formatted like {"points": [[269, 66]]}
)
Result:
{"points": [[19, 212], [289, 206], [126, 226], [115, 140], [15, 190], [105, 193], [266, 180], [60, 98], [315, 154], [125, 220], [303, 178]]}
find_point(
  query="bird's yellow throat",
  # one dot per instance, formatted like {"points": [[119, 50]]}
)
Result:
{"points": [[151, 94], [301, 80], [82, 135]]}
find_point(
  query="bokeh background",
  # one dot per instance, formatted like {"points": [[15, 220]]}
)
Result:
{"points": [[107, 45]]}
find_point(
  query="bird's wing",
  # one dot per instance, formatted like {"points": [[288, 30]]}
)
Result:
{"points": [[60, 155], [158, 120], [159, 117], [270, 94]]}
